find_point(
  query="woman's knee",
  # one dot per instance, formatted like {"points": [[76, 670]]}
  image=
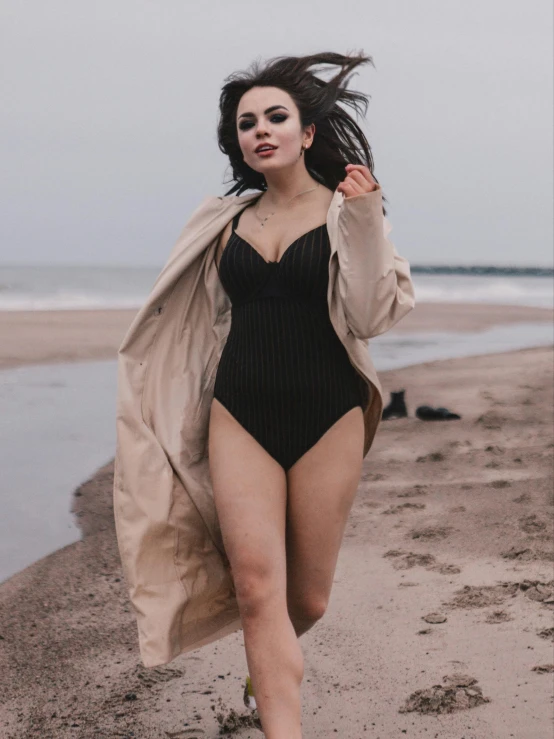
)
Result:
{"points": [[308, 610], [257, 587]]}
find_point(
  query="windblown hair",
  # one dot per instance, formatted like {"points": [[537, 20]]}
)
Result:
{"points": [[338, 139]]}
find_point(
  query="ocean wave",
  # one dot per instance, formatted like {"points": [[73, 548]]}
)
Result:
{"points": [[500, 292], [68, 301]]}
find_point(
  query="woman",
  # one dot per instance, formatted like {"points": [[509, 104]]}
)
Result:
{"points": [[247, 400]]}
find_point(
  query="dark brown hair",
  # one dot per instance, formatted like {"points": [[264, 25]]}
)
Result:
{"points": [[338, 139]]}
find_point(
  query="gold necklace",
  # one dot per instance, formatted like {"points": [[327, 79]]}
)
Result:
{"points": [[263, 220]]}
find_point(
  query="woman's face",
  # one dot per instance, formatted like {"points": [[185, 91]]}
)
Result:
{"points": [[268, 115]]}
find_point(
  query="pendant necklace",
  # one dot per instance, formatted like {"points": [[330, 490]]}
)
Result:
{"points": [[263, 220]]}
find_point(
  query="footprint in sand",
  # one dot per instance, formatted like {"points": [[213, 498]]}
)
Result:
{"points": [[541, 592], [531, 524], [471, 596], [494, 449], [432, 457], [418, 490], [407, 560], [431, 532], [404, 506], [498, 617], [526, 554], [373, 476], [490, 420], [523, 498], [458, 692], [481, 596], [444, 569], [371, 504]]}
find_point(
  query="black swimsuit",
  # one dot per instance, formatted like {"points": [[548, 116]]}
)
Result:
{"points": [[283, 374]]}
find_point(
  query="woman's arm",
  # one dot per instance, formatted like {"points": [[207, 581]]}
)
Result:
{"points": [[374, 280]]}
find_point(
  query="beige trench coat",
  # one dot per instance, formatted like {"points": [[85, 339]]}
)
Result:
{"points": [[167, 528]]}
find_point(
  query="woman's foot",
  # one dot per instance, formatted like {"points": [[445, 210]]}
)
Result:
{"points": [[248, 695]]}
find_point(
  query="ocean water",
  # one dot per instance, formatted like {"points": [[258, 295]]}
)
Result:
{"points": [[70, 287]]}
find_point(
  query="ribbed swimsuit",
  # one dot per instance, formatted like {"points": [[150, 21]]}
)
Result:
{"points": [[283, 374]]}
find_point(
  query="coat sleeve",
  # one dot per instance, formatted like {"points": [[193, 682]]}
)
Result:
{"points": [[374, 280]]}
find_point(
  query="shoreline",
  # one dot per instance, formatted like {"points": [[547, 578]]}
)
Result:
{"points": [[58, 336], [468, 506]]}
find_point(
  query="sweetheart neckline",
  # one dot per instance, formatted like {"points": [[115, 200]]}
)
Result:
{"points": [[277, 261]]}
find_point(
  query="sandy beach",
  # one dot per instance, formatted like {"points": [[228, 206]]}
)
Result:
{"points": [[441, 618], [34, 337]]}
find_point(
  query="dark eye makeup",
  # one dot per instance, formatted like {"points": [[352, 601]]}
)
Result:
{"points": [[277, 118]]}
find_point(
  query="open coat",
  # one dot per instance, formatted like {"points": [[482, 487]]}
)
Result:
{"points": [[167, 529]]}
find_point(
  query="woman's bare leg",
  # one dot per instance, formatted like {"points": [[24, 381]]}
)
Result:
{"points": [[250, 492], [321, 488]]}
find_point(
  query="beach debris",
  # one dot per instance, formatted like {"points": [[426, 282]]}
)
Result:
{"points": [[543, 668], [546, 634], [435, 618], [459, 692]]}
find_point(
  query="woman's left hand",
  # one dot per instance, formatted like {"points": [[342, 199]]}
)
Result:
{"points": [[357, 181]]}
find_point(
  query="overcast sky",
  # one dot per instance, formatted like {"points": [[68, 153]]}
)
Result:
{"points": [[108, 130]]}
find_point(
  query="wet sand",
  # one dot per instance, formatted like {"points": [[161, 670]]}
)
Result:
{"points": [[441, 618], [31, 337]]}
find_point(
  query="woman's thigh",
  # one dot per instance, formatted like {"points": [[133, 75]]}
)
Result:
{"points": [[250, 495], [322, 486]]}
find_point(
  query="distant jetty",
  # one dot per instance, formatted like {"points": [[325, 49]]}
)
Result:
{"points": [[482, 269]]}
